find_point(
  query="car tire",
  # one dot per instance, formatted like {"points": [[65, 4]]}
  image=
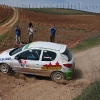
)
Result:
{"points": [[58, 76], [4, 68]]}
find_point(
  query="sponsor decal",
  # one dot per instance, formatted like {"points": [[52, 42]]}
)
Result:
{"points": [[8, 58], [50, 66], [64, 57], [26, 46], [22, 63]]}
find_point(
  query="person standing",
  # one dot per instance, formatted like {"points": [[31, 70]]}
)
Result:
{"points": [[52, 33], [31, 30], [18, 34]]}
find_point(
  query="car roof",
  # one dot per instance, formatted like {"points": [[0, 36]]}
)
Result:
{"points": [[46, 45]]}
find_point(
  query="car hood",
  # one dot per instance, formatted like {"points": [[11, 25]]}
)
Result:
{"points": [[5, 53]]}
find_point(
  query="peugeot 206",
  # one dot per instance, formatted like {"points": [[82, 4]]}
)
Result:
{"points": [[39, 58]]}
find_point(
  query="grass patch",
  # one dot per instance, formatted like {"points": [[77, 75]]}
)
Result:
{"points": [[3, 36], [90, 93], [89, 43], [60, 11]]}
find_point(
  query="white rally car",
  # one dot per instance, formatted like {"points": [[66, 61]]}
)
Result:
{"points": [[39, 58]]}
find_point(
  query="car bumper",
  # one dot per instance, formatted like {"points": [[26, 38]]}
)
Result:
{"points": [[69, 74]]}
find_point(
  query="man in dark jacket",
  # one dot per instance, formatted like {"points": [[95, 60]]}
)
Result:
{"points": [[52, 33], [18, 33]]}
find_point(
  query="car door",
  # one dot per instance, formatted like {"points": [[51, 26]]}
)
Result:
{"points": [[28, 61], [49, 60], [34, 61], [19, 62]]}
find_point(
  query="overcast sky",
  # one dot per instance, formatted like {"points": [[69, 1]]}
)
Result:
{"points": [[86, 5]]}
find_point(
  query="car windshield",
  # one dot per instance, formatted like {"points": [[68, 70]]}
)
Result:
{"points": [[16, 50], [68, 54]]}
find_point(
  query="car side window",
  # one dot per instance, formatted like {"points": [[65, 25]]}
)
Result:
{"points": [[32, 54], [48, 55]]}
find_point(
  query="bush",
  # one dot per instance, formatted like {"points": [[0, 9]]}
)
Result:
{"points": [[90, 93]]}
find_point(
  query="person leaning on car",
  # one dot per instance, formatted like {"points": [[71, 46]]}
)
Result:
{"points": [[52, 33]]}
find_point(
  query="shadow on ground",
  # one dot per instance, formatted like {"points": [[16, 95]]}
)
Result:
{"points": [[77, 74], [38, 77]]}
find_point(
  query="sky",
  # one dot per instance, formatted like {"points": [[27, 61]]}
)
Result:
{"points": [[85, 5]]}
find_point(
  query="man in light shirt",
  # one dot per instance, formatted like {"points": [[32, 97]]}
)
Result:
{"points": [[31, 30]]}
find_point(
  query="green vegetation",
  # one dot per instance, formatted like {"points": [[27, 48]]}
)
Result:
{"points": [[59, 11], [3, 36], [89, 43], [90, 93]]}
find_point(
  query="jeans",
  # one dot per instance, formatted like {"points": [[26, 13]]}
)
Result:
{"points": [[30, 38], [18, 39], [52, 38]]}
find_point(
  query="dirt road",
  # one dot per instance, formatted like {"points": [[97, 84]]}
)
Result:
{"points": [[20, 87], [5, 27]]}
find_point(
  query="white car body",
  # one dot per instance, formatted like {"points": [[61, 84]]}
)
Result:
{"points": [[39, 58]]}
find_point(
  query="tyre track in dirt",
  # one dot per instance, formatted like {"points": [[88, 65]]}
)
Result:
{"points": [[5, 27]]}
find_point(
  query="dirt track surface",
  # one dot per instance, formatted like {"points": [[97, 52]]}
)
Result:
{"points": [[5, 27], [21, 87]]}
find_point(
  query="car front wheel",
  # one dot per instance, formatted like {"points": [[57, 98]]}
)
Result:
{"points": [[57, 76], [5, 68]]}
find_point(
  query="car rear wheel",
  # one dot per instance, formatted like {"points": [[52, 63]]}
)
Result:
{"points": [[57, 76], [5, 68]]}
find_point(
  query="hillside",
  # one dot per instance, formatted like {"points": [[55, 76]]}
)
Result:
{"points": [[60, 11], [70, 28], [5, 13]]}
